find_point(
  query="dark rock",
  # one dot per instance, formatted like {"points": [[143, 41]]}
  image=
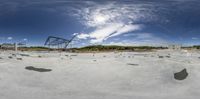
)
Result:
{"points": [[73, 55], [19, 58], [168, 56], [160, 56], [14, 55], [181, 75], [10, 57], [37, 69], [24, 55], [133, 64]]}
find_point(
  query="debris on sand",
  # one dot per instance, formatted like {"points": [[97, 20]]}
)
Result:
{"points": [[181, 75], [94, 60], [37, 69], [73, 55], [19, 58], [40, 56], [133, 64], [24, 55], [14, 55], [1, 58], [167, 56], [10, 57], [160, 56]]}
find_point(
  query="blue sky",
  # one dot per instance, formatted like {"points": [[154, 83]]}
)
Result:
{"points": [[120, 22]]}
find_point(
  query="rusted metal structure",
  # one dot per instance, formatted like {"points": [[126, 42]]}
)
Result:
{"points": [[57, 42]]}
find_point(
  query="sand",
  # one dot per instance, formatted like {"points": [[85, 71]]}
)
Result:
{"points": [[126, 75]]}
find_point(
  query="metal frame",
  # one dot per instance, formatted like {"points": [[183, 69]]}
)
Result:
{"points": [[57, 41]]}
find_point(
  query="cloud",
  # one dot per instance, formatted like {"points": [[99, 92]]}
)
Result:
{"points": [[112, 19], [10, 38], [140, 39], [125, 29], [103, 33], [82, 36], [195, 38], [25, 39]]}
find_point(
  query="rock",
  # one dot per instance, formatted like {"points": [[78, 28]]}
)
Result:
{"points": [[24, 55], [10, 57], [37, 69], [181, 75], [19, 58], [161, 57], [14, 55], [73, 55], [133, 64]]}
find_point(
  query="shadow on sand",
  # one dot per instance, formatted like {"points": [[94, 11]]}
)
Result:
{"points": [[37, 69]]}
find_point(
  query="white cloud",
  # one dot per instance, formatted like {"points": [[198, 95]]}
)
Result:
{"points": [[140, 39], [10, 38], [194, 38], [112, 19], [25, 39], [82, 36], [103, 33], [140, 35], [125, 29]]}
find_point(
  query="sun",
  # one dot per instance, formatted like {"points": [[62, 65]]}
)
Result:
{"points": [[100, 19]]}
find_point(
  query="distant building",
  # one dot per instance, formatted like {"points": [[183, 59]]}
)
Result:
{"points": [[7, 46], [11, 46]]}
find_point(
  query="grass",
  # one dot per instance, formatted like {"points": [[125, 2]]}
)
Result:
{"points": [[102, 48]]}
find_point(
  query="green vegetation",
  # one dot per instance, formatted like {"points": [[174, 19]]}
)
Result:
{"points": [[103, 48], [95, 48], [34, 48], [98, 48], [196, 46]]}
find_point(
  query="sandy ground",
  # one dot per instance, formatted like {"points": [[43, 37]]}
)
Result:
{"points": [[127, 75]]}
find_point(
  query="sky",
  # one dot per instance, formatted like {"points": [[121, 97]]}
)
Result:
{"points": [[108, 22]]}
